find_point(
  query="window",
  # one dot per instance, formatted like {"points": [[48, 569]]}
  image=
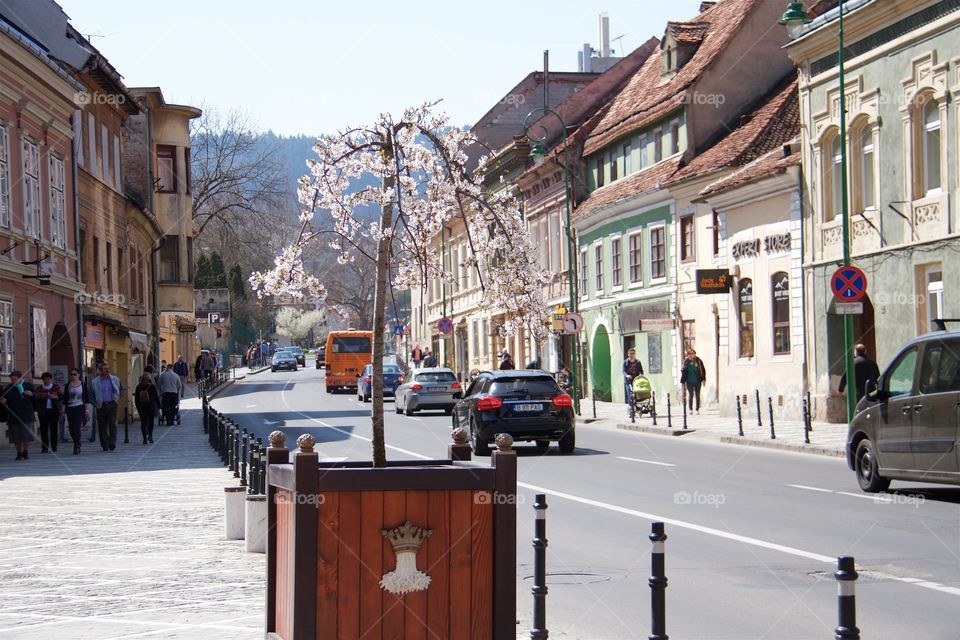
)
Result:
{"points": [[4, 179], [636, 256], [7, 363], [687, 239], [58, 219], [105, 153], [658, 145], [629, 342], [613, 166], [934, 281], [644, 151], [93, 164], [900, 381], [940, 370], [931, 147], [716, 233], [109, 268], [598, 264], [31, 189], [583, 273], [689, 335], [868, 181], [170, 259], [674, 137], [484, 338], [188, 176], [616, 259], [627, 159], [135, 274], [745, 307], [117, 178], [166, 168], [599, 164], [141, 283], [476, 339], [832, 179], [780, 286], [658, 254]]}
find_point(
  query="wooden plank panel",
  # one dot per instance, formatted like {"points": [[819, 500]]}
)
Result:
{"points": [[415, 615], [371, 565], [284, 616], [348, 567], [394, 513], [438, 565], [328, 529], [481, 608], [407, 479], [461, 512]]}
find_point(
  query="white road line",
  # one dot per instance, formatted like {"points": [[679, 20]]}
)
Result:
{"points": [[874, 498], [659, 464], [805, 487], [249, 406]]}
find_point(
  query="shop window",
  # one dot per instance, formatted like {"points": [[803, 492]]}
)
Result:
{"points": [[780, 286], [745, 307]]}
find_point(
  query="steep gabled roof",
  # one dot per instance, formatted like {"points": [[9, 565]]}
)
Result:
{"points": [[649, 95], [774, 162], [772, 124]]}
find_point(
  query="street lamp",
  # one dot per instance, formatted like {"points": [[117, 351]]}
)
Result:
{"points": [[795, 19], [538, 153]]}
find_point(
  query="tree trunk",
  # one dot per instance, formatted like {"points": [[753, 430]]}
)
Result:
{"points": [[379, 319]]}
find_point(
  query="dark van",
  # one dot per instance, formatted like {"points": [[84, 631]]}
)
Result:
{"points": [[906, 426]]}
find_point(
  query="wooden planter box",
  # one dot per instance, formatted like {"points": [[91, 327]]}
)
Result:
{"points": [[327, 553]]}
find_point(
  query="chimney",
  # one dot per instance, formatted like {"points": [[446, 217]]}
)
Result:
{"points": [[706, 5], [587, 57], [604, 33]]}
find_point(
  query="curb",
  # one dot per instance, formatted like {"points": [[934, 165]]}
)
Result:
{"points": [[657, 430], [213, 394], [784, 446]]}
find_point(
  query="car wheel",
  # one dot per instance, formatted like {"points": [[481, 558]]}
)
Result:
{"points": [[396, 405], [568, 441], [273, 369], [407, 411], [543, 445], [477, 445], [866, 466], [294, 368], [448, 411]]}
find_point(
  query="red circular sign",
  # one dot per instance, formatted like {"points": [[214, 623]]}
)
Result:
{"points": [[849, 284], [444, 325]]}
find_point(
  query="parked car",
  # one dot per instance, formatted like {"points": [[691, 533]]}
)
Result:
{"points": [[529, 405], [392, 376], [427, 388], [299, 354], [321, 356], [906, 426], [283, 359]]}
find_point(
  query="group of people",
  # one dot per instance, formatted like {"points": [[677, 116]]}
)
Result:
{"points": [[422, 358], [692, 376], [23, 405], [259, 351], [207, 364]]}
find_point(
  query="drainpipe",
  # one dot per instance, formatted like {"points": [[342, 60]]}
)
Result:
{"points": [[81, 327], [155, 323]]}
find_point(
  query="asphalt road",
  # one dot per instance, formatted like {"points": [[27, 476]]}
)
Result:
{"points": [[753, 534]]}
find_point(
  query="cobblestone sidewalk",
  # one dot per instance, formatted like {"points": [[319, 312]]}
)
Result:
{"points": [[126, 544]]}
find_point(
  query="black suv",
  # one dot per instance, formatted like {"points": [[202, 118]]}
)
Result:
{"points": [[906, 426], [528, 405]]}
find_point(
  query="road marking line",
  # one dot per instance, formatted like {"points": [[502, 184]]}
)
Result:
{"points": [[874, 498], [659, 464], [250, 406], [803, 486]]}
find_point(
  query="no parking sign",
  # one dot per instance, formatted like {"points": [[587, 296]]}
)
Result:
{"points": [[849, 284]]}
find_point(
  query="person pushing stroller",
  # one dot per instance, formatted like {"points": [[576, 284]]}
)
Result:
{"points": [[631, 369]]}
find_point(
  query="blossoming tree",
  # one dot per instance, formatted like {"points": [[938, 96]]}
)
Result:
{"points": [[420, 166]]}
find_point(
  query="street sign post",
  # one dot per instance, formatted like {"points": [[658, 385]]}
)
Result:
{"points": [[213, 318], [572, 322], [849, 284]]}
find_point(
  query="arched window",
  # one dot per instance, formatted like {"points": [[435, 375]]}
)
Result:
{"points": [[931, 146], [745, 306], [832, 172], [780, 287], [866, 173]]}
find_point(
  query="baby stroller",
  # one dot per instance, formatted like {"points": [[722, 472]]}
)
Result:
{"points": [[642, 397], [171, 414]]}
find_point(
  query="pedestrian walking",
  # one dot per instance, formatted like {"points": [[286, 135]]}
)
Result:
{"points": [[17, 402], [864, 369], [692, 376], [563, 378], [106, 390], [631, 369], [171, 390], [49, 407], [75, 397], [417, 356], [506, 362], [429, 360], [147, 401], [180, 368]]}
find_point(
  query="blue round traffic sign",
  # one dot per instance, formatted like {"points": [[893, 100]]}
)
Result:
{"points": [[444, 325], [849, 284]]}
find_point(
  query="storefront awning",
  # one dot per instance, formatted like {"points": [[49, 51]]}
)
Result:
{"points": [[138, 342]]}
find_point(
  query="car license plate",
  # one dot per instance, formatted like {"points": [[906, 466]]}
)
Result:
{"points": [[528, 407]]}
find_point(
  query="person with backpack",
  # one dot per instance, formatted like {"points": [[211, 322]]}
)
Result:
{"points": [[147, 400]]}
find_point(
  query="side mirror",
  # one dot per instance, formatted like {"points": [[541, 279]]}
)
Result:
{"points": [[874, 392], [358, 375]]}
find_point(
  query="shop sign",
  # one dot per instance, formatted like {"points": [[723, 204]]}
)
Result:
{"points": [[713, 281], [93, 335], [656, 324]]}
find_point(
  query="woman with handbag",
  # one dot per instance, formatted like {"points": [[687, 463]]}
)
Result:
{"points": [[76, 395], [17, 398], [147, 399]]}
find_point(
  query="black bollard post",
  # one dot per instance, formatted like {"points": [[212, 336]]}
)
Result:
{"points": [[759, 418], [243, 459], [653, 407], [773, 434], [683, 401], [739, 418], [593, 398], [669, 421], [126, 425], [809, 412], [658, 584], [806, 424], [846, 576], [235, 452], [206, 414], [263, 468], [539, 631]]}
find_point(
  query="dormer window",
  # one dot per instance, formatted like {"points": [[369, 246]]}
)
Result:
{"points": [[669, 60]]}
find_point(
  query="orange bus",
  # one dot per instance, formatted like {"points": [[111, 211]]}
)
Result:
{"points": [[347, 353]]}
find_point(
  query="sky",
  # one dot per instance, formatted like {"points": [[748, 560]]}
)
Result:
{"points": [[319, 66]]}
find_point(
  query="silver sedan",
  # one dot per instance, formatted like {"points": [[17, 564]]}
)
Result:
{"points": [[428, 388]]}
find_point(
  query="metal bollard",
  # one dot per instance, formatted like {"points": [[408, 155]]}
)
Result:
{"points": [[669, 420], [658, 584], [539, 590], [806, 424], [243, 459], [846, 576], [126, 425], [773, 434], [235, 451], [263, 468], [683, 401], [206, 414], [809, 412], [653, 407], [759, 418], [739, 418]]}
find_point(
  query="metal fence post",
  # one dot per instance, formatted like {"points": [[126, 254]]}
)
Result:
{"points": [[809, 412], [806, 424], [539, 631], [653, 407], [683, 401], [243, 459], [235, 449], [126, 425], [773, 434], [658, 584], [846, 576], [669, 420], [759, 417], [739, 418]]}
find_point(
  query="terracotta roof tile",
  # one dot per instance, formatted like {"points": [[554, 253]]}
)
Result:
{"points": [[773, 162], [688, 32], [774, 123], [631, 186], [648, 96]]}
